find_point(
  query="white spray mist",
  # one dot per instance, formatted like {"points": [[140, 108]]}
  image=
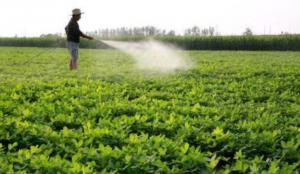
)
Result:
{"points": [[155, 55]]}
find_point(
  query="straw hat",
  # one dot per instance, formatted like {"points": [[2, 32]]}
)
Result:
{"points": [[76, 11]]}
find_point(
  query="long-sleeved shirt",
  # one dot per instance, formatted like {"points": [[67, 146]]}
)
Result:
{"points": [[73, 31]]}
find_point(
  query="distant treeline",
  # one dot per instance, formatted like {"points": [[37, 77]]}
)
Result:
{"points": [[136, 31], [277, 42], [146, 31]]}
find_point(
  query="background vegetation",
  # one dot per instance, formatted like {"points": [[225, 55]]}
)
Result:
{"points": [[263, 43]]}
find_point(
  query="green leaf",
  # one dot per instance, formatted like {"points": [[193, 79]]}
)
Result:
{"points": [[254, 168], [213, 161], [127, 158], [26, 112], [88, 125], [133, 138], [196, 107], [162, 151], [15, 96], [92, 151], [239, 165], [187, 126], [76, 166], [34, 149], [217, 132], [185, 148], [238, 155], [27, 154], [137, 117], [79, 144], [11, 146], [273, 167]]}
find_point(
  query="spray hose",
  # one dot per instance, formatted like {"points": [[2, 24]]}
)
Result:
{"points": [[49, 48]]}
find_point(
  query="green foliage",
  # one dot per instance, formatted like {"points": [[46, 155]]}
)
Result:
{"points": [[234, 112], [275, 43]]}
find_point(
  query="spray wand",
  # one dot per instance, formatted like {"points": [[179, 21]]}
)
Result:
{"points": [[30, 59]]}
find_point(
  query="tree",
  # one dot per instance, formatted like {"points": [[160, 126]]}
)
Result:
{"points": [[187, 32], [195, 31], [285, 33], [248, 32], [171, 33], [211, 31], [51, 35], [204, 32]]}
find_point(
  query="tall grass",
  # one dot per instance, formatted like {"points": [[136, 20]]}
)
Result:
{"points": [[274, 43]]}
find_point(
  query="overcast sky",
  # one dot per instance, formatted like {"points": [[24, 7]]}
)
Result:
{"points": [[36, 17]]}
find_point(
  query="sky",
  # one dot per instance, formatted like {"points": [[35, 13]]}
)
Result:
{"points": [[31, 18]]}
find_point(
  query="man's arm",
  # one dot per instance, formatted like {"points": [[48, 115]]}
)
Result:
{"points": [[66, 30], [85, 36]]}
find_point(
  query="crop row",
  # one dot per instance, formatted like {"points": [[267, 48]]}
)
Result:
{"points": [[234, 112]]}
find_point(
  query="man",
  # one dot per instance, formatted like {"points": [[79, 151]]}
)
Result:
{"points": [[73, 37]]}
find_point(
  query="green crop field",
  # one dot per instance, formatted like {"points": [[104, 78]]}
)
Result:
{"points": [[233, 112]]}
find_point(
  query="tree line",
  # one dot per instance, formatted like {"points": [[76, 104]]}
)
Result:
{"points": [[151, 31], [147, 31]]}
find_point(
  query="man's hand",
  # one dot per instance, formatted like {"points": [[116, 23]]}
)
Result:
{"points": [[85, 36]]}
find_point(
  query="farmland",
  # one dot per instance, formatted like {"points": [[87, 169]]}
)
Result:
{"points": [[233, 112]]}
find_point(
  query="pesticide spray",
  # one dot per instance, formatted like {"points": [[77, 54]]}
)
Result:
{"points": [[154, 55], [149, 55]]}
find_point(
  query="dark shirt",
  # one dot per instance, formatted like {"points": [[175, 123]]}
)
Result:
{"points": [[73, 31]]}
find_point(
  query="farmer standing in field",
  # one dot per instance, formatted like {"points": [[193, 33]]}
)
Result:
{"points": [[73, 37]]}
